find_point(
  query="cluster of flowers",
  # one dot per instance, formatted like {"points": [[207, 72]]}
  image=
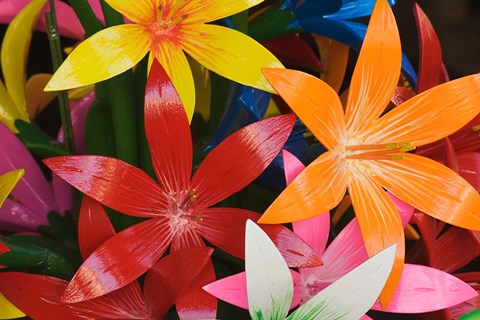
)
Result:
{"points": [[172, 139]]}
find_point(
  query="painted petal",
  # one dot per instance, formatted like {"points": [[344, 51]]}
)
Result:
{"points": [[469, 168], [315, 103], [211, 10], [233, 289], [8, 110], [241, 157], [38, 295], [37, 99], [112, 182], [401, 95], [319, 188], [15, 44], [217, 48], [168, 133], [424, 289], [334, 57], [291, 165], [377, 70], [352, 9], [119, 260], [16, 217], [411, 179], [379, 223], [351, 296], [314, 231], [33, 190], [171, 276], [141, 12], [269, 283], [454, 249], [8, 181], [430, 62], [8, 310], [431, 115], [101, 57]]}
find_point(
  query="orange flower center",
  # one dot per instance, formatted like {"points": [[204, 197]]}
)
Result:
{"points": [[388, 151], [167, 24]]}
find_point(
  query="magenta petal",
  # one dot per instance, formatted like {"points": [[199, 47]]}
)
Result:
{"points": [[240, 158], [404, 209], [32, 190], [119, 261], [112, 182], [172, 275], [424, 289], [17, 218], [291, 166], [63, 194], [314, 231], [233, 289], [168, 133]]}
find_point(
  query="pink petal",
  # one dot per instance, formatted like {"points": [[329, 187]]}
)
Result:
{"points": [[32, 190], [424, 289], [119, 260], [404, 209], [171, 276], [112, 182], [291, 165], [168, 132], [17, 218], [240, 158], [233, 289]]}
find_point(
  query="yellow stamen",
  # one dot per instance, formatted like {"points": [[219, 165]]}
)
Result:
{"points": [[476, 128], [388, 151]]}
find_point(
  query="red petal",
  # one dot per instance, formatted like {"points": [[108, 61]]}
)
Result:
{"points": [[469, 168], [430, 64], [38, 295], [195, 303], [168, 132], [455, 249], [94, 226], [240, 158], [112, 182], [401, 95], [119, 260]]}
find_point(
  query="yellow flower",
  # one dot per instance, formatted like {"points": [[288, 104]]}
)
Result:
{"points": [[166, 28], [368, 153]]}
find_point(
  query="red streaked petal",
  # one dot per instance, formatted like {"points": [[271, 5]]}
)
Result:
{"points": [[171, 276], [119, 260], [401, 95], [430, 64], [111, 182], [469, 168], [168, 132], [240, 158]]}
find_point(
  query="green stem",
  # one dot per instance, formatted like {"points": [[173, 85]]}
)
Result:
{"points": [[86, 16], [57, 59]]}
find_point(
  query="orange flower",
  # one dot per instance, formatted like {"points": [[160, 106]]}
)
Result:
{"points": [[367, 153]]}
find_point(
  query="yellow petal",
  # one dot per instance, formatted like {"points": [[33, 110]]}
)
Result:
{"points": [[430, 187], [431, 115], [379, 223], [8, 310], [15, 45], [173, 60], [8, 111], [314, 102], [200, 11], [377, 70], [102, 56], [79, 93], [203, 88], [8, 181], [229, 53], [138, 11], [37, 99], [334, 57], [318, 188]]}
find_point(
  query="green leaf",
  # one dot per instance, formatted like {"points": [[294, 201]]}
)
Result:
{"points": [[99, 138], [38, 142]]}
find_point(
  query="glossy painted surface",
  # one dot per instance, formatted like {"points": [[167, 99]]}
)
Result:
{"points": [[359, 146], [165, 33], [8, 181], [178, 207]]}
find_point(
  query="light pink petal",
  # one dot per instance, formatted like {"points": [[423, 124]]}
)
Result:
{"points": [[17, 218], [424, 289], [233, 289], [32, 190]]}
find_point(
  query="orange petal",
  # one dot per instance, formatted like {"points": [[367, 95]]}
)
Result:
{"points": [[432, 188], [140, 11], [210, 10], [379, 223], [431, 115], [318, 188], [377, 71], [314, 102]]}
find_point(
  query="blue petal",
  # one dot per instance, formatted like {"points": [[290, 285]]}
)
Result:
{"points": [[316, 8], [352, 9]]}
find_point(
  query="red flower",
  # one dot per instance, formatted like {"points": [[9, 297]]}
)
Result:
{"points": [[179, 209]]}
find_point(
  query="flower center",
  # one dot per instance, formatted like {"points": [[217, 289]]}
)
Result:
{"points": [[182, 213], [388, 151], [167, 20]]}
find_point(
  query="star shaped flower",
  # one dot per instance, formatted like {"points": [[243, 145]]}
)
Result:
{"points": [[166, 28], [180, 207], [368, 152]]}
